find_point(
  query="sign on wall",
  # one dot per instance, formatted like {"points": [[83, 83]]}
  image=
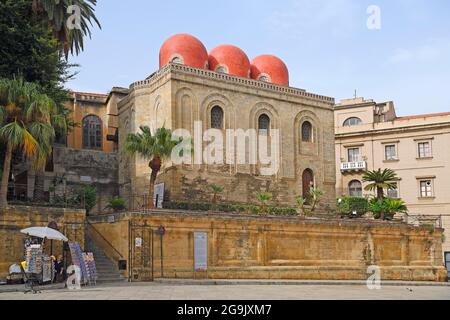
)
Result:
{"points": [[159, 195], [201, 251]]}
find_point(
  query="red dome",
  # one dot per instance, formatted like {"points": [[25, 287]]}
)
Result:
{"points": [[185, 49], [271, 67], [232, 59]]}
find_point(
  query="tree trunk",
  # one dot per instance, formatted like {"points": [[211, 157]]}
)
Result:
{"points": [[380, 193], [380, 196], [155, 166], [5, 177]]}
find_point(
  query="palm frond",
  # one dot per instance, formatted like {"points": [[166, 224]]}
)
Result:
{"points": [[27, 118], [149, 145], [55, 13], [2, 115]]}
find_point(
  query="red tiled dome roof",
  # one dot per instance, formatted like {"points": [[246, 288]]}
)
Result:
{"points": [[272, 67], [232, 59], [186, 49]]}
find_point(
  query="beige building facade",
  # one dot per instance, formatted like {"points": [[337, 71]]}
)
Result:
{"points": [[178, 96], [370, 136]]}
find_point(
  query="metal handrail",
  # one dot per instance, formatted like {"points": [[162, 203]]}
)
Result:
{"points": [[104, 239]]}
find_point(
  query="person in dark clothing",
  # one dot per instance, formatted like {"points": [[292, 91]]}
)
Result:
{"points": [[60, 272]]}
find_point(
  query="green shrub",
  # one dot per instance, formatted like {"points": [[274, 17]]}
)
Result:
{"points": [[387, 207], [347, 206], [117, 204], [230, 208], [87, 196]]}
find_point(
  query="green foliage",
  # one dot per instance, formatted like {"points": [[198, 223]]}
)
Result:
{"points": [[27, 119], [380, 180], [87, 195], [54, 13], [154, 147], [30, 51], [309, 206], [347, 206], [388, 207], [117, 204], [230, 208], [264, 198], [149, 145], [216, 189]]}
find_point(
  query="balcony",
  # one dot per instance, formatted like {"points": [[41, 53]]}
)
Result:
{"points": [[354, 166]]}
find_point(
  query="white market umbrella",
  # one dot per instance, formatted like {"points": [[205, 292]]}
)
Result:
{"points": [[45, 233]]}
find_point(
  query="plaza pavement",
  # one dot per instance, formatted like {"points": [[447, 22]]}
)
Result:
{"points": [[233, 291]]}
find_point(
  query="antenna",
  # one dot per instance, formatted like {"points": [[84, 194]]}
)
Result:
{"points": [[356, 95]]}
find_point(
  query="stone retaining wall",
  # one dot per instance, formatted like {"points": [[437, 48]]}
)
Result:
{"points": [[15, 218], [243, 247]]}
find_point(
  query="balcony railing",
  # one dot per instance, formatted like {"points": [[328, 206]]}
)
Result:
{"points": [[354, 166]]}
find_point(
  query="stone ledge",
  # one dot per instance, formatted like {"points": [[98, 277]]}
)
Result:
{"points": [[163, 213], [189, 282]]}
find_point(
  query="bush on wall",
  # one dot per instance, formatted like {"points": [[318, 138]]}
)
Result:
{"points": [[348, 206], [230, 208]]}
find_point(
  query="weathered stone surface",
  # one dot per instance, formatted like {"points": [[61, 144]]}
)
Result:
{"points": [[244, 247], [177, 96], [15, 218]]}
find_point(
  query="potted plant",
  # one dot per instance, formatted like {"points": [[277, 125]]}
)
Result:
{"points": [[116, 204]]}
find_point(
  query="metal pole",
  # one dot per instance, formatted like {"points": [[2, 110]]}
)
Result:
{"points": [[153, 256], [162, 266], [130, 248]]}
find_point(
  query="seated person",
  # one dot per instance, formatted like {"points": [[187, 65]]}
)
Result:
{"points": [[60, 272]]}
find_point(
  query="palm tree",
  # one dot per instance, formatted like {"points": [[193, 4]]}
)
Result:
{"points": [[216, 189], [54, 13], [153, 147], [380, 180], [396, 206], [264, 198], [28, 120]]}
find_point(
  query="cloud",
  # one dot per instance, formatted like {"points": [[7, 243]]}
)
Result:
{"points": [[301, 17], [429, 52]]}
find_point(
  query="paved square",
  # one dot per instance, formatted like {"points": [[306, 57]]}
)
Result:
{"points": [[237, 292]]}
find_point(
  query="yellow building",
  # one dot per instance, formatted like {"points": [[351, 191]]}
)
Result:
{"points": [[369, 136]]}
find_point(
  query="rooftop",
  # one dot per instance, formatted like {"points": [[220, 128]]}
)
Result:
{"points": [[424, 116], [244, 82]]}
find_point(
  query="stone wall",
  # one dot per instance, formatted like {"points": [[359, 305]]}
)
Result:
{"points": [[15, 218], [244, 247], [87, 167]]}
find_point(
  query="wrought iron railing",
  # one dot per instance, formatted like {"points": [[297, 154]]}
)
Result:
{"points": [[98, 237], [21, 194], [434, 221]]}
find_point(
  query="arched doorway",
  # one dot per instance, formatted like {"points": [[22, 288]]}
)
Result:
{"points": [[308, 183]]}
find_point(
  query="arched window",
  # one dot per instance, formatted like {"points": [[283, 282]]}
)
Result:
{"points": [[308, 183], [92, 132], [217, 118], [221, 69], [264, 79], [307, 135], [355, 189], [177, 60], [351, 122], [264, 124]]}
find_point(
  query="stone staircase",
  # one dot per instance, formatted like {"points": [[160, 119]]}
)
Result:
{"points": [[107, 270]]}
